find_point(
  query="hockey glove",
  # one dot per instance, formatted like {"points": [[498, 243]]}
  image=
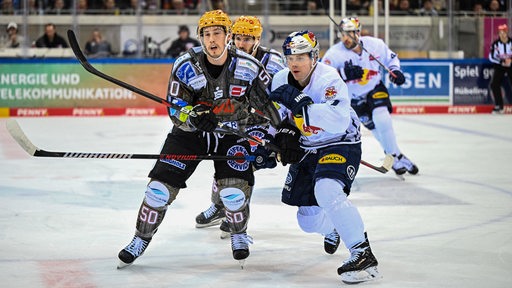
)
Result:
{"points": [[292, 98], [352, 72], [263, 159], [287, 139], [205, 119], [399, 79]]}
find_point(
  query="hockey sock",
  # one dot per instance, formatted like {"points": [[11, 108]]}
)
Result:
{"points": [[384, 129]]}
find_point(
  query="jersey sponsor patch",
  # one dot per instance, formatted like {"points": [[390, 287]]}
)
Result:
{"points": [[351, 172], [186, 72], [237, 90], [218, 93], [332, 159], [380, 95], [327, 61], [238, 165], [198, 82], [330, 92], [174, 163]]}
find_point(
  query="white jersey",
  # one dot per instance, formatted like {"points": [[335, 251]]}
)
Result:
{"points": [[331, 120], [337, 55]]}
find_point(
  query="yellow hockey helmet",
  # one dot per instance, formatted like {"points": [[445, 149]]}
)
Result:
{"points": [[214, 18], [247, 25]]}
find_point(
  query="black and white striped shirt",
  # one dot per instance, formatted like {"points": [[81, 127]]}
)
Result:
{"points": [[500, 51]]}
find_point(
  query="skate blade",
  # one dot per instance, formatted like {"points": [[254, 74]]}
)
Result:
{"points": [[213, 223], [224, 235], [242, 263], [356, 277], [400, 177], [122, 265]]}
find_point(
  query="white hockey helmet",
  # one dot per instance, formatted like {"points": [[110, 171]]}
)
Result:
{"points": [[301, 42], [350, 24]]}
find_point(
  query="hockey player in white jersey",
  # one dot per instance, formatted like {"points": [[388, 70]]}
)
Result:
{"points": [[247, 32], [370, 97], [320, 137]]}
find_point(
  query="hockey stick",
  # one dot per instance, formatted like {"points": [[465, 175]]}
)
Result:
{"points": [[385, 167], [357, 42], [87, 66], [17, 133]]}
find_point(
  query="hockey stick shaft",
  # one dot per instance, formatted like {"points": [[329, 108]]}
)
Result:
{"points": [[87, 66], [17, 134], [357, 42]]}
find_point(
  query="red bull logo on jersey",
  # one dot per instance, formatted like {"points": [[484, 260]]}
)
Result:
{"points": [[330, 92], [367, 75], [304, 129], [332, 159]]}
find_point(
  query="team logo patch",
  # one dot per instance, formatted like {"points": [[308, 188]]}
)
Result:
{"points": [[304, 129], [238, 165], [237, 91], [380, 95], [351, 172], [330, 92], [259, 136], [327, 61], [332, 159], [218, 93], [186, 72]]}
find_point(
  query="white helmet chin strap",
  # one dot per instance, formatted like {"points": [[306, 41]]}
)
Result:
{"points": [[310, 71], [255, 47]]}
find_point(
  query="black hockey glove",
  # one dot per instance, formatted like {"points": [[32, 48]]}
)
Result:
{"points": [[292, 98], [287, 139], [352, 72], [399, 79], [205, 119]]}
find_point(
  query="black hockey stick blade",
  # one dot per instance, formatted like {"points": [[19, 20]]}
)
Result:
{"points": [[385, 167], [17, 134]]}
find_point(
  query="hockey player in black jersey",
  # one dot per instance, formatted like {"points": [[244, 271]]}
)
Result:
{"points": [[247, 32], [221, 85]]}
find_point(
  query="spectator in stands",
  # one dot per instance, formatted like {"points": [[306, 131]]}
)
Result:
{"points": [[427, 9], [313, 7], [218, 5], [439, 5], [97, 47], [183, 43], [51, 39], [7, 7], [13, 39], [110, 7], [82, 6], [59, 7], [494, 9], [478, 9], [404, 8], [500, 55], [359, 7], [176, 7]]}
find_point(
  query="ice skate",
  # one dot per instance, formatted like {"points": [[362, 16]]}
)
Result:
{"points": [[225, 232], [211, 216], [132, 251], [403, 164], [361, 266], [497, 110], [240, 246], [331, 242]]}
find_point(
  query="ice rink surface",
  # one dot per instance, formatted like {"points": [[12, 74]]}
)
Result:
{"points": [[63, 221]]}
